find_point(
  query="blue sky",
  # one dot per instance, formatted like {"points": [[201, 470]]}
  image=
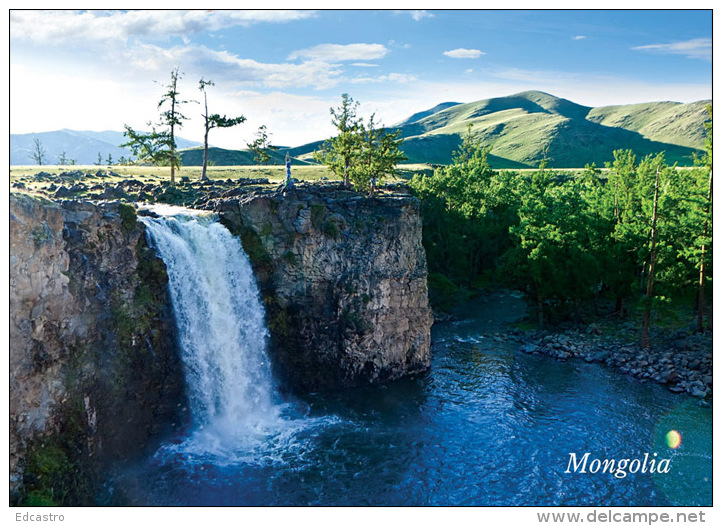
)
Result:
{"points": [[100, 70]]}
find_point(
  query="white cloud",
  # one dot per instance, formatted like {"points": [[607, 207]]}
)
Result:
{"points": [[400, 78], [229, 67], [578, 37], [365, 65], [698, 48], [340, 52], [292, 120], [91, 26], [464, 53], [416, 14], [420, 14]]}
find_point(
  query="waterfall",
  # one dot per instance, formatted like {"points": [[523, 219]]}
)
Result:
{"points": [[221, 328]]}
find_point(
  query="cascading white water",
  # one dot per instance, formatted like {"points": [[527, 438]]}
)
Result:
{"points": [[221, 327]]}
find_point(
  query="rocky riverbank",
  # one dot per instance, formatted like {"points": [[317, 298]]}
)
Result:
{"points": [[680, 360]]}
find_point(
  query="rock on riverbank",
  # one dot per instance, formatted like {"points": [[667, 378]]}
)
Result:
{"points": [[680, 360]]}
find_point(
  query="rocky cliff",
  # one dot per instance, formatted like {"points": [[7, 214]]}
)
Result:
{"points": [[344, 282], [95, 374], [94, 370]]}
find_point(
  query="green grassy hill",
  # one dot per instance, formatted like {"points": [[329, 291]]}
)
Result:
{"points": [[521, 126], [422, 114], [223, 157], [658, 121]]}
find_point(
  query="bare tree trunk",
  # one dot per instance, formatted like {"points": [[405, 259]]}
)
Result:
{"points": [[346, 181], [172, 143], [652, 262], [204, 177], [702, 264], [172, 161]]}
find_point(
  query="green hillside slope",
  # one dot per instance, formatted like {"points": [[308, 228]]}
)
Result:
{"points": [[670, 122], [223, 157], [422, 114], [521, 126]]}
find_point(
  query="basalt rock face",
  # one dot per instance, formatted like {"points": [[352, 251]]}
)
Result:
{"points": [[94, 368], [95, 372], [344, 282]]}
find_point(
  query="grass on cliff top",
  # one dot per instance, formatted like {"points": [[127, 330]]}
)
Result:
{"points": [[274, 174], [23, 178], [158, 174]]}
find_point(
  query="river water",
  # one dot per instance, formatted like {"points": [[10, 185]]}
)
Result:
{"points": [[487, 425]]}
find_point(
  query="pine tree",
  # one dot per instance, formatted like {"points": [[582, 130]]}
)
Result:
{"points": [[377, 155], [261, 146], [158, 147], [173, 119], [338, 152], [147, 147]]}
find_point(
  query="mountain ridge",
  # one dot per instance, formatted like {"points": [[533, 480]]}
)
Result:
{"points": [[524, 127], [521, 129], [82, 146]]}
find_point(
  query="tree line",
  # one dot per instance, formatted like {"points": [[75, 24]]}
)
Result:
{"points": [[636, 236], [362, 153]]}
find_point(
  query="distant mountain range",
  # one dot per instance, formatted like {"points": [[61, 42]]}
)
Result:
{"points": [[519, 128], [81, 146]]}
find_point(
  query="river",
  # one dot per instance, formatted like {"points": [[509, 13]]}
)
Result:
{"points": [[487, 425]]}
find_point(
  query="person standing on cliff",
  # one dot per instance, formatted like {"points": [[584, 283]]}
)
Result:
{"points": [[289, 182]]}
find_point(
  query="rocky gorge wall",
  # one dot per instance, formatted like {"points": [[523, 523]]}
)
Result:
{"points": [[94, 368], [95, 373], [343, 279]]}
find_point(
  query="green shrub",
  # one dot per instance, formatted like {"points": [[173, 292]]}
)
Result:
{"points": [[128, 217]]}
